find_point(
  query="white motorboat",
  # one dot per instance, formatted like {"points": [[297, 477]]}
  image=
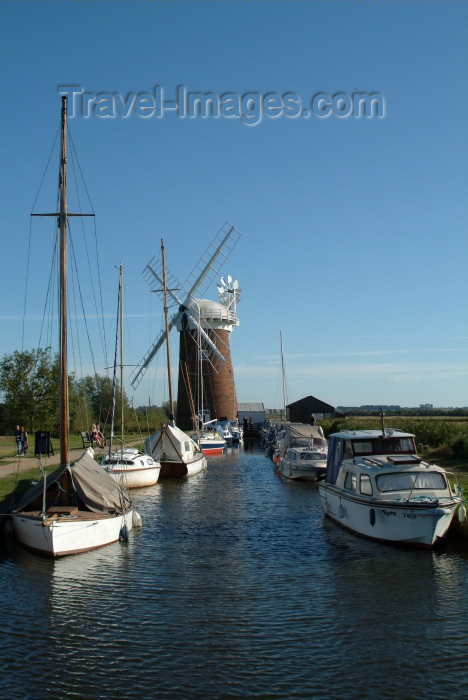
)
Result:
{"points": [[210, 440], [277, 445], [303, 452], [212, 443], [377, 486], [177, 453], [236, 431], [78, 507], [224, 429]]}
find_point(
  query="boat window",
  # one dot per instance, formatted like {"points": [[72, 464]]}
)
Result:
{"points": [[348, 450], [187, 446], [300, 442], [338, 452], [362, 447], [350, 481], [365, 485], [319, 442], [384, 446], [404, 481], [292, 455], [313, 456]]}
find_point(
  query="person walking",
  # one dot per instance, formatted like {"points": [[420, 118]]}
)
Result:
{"points": [[24, 441], [18, 441]]}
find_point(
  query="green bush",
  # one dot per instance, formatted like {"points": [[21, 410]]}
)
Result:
{"points": [[433, 432]]}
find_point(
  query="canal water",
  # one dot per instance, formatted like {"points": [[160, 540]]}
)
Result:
{"points": [[235, 587]]}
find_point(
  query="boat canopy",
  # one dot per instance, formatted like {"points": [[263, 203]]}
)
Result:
{"points": [[93, 486], [302, 435], [171, 443]]}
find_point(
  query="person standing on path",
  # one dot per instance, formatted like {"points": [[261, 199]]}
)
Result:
{"points": [[18, 440], [24, 441]]}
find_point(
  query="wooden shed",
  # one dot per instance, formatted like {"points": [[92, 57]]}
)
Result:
{"points": [[300, 411]]}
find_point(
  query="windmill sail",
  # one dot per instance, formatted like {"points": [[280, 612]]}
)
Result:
{"points": [[182, 296]]}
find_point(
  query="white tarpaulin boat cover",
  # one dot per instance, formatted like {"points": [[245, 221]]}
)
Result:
{"points": [[171, 443], [93, 486], [300, 435]]}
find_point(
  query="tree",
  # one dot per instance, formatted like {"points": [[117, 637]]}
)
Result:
{"points": [[29, 381]]}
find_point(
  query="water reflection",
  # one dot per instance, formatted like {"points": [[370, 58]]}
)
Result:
{"points": [[235, 586]]}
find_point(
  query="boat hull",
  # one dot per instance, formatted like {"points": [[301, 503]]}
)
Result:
{"points": [[415, 523], [134, 477], [212, 450], [171, 469], [304, 472], [69, 534]]}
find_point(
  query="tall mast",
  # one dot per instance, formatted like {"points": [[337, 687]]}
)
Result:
{"points": [[121, 353], [166, 318], [62, 221], [283, 374]]}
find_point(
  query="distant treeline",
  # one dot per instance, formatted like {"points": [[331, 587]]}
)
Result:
{"points": [[430, 432], [397, 411], [29, 386]]}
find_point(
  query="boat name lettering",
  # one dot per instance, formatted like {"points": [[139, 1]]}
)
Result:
{"points": [[389, 512]]}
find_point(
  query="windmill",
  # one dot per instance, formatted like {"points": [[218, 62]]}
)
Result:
{"points": [[204, 326]]}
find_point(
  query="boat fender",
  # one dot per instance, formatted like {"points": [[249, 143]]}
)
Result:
{"points": [[136, 520], [326, 508], [461, 514], [124, 534], [372, 517], [341, 511]]}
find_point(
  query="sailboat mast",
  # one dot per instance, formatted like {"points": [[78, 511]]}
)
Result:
{"points": [[166, 318], [283, 375], [62, 221], [121, 353]]}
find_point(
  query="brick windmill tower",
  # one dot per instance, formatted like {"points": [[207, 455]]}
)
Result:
{"points": [[206, 377]]}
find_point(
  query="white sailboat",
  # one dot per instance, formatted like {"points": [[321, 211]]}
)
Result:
{"points": [[134, 469], [177, 453], [78, 507]]}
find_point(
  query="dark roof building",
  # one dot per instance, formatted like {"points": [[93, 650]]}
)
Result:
{"points": [[301, 411]]}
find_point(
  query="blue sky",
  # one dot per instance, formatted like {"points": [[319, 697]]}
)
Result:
{"points": [[354, 230]]}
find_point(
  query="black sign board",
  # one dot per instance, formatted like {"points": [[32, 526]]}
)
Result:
{"points": [[42, 443]]}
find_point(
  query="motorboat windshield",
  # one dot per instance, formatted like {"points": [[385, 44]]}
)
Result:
{"points": [[382, 445], [409, 481], [311, 456], [307, 442]]}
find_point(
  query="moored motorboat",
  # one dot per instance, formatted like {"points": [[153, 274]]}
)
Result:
{"points": [[377, 486], [211, 443], [303, 452], [236, 431]]}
